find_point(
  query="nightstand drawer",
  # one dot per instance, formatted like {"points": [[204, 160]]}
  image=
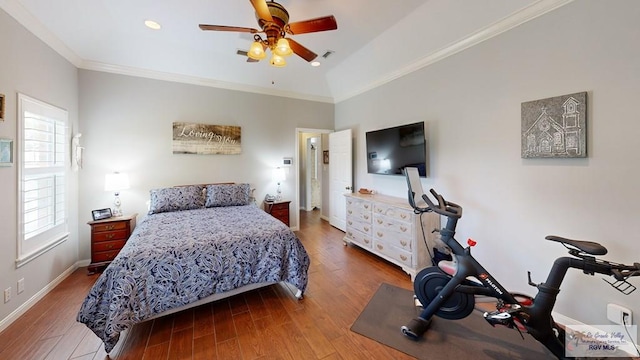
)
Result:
{"points": [[104, 256], [108, 245], [121, 225], [111, 235], [278, 213]]}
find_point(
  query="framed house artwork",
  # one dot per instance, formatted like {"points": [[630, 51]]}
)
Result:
{"points": [[555, 127]]}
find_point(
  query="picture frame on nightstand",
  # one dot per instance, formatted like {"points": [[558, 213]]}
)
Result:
{"points": [[101, 214]]}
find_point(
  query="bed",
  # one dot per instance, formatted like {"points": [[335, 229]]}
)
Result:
{"points": [[198, 244]]}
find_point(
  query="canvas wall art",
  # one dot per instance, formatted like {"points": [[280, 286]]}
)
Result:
{"points": [[555, 127], [206, 139]]}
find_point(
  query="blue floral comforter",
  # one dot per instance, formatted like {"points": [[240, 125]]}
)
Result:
{"points": [[176, 258]]}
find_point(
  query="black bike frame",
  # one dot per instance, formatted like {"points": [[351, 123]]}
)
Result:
{"points": [[539, 322]]}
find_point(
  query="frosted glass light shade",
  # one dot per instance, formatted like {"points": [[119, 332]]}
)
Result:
{"points": [[282, 48], [277, 61], [256, 51]]}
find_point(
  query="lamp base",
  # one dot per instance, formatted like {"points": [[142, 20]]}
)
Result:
{"points": [[116, 211]]}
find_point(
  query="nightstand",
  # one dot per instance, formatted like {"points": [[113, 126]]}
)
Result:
{"points": [[278, 209], [108, 236]]}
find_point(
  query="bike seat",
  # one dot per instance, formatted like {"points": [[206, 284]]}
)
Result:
{"points": [[588, 247]]}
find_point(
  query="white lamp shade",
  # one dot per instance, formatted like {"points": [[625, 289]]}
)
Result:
{"points": [[278, 175], [116, 181]]}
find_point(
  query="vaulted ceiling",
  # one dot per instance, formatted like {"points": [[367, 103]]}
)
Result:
{"points": [[376, 40]]}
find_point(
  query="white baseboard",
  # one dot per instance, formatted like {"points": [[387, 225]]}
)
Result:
{"points": [[4, 323]]}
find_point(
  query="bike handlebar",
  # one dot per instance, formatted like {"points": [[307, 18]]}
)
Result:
{"points": [[446, 208]]}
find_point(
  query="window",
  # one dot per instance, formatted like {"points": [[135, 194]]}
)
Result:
{"points": [[43, 158]]}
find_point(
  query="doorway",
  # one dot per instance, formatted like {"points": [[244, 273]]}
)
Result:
{"points": [[311, 173]]}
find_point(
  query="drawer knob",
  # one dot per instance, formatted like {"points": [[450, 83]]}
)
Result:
{"points": [[110, 236], [366, 228], [404, 216], [379, 221], [403, 243], [380, 247], [403, 229], [350, 212], [404, 258], [366, 206], [380, 234], [111, 227], [366, 241]]}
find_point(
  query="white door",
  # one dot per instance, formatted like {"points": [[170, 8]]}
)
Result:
{"points": [[341, 176]]}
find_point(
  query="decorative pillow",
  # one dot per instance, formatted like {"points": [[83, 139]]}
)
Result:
{"points": [[176, 199], [228, 195]]}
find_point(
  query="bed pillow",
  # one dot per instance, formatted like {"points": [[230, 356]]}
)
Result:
{"points": [[228, 195], [176, 199]]}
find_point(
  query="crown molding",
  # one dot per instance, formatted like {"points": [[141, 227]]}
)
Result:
{"points": [[194, 80], [509, 22], [15, 9]]}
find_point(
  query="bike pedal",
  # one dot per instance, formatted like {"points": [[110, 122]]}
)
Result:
{"points": [[499, 318]]}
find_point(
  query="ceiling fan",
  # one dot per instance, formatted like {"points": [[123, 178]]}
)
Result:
{"points": [[273, 19]]}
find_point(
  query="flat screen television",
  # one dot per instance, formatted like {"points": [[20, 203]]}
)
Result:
{"points": [[391, 150]]}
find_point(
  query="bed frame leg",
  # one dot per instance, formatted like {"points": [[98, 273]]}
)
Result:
{"points": [[299, 294]]}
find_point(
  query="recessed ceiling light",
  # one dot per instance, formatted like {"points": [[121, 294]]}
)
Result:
{"points": [[315, 63], [152, 24]]}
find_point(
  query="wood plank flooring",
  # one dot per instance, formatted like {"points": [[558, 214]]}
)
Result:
{"points": [[268, 323]]}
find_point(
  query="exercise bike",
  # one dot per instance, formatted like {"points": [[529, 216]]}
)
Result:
{"points": [[448, 288]]}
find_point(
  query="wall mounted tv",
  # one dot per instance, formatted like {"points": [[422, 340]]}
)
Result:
{"points": [[391, 150]]}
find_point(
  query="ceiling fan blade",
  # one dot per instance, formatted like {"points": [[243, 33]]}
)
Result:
{"points": [[312, 25], [228, 28], [244, 53], [262, 10], [301, 51]]}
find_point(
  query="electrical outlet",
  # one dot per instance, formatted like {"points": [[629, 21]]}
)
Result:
{"points": [[20, 286], [617, 314], [7, 295]]}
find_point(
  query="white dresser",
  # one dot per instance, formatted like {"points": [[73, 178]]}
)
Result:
{"points": [[387, 227]]}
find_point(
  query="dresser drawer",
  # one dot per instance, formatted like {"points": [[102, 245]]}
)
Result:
{"points": [[104, 256], [110, 235], [121, 225], [108, 245], [359, 225], [391, 224], [358, 205], [393, 252], [358, 237], [393, 212], [394, 238]]}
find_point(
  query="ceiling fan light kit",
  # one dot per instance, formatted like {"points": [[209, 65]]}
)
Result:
{"points": [[273, 19]]}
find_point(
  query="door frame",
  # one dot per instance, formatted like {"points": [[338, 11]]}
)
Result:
{"points": [[296, 169]]}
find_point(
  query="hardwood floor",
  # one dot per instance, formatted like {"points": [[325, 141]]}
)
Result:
{"points": [[268, 323]]}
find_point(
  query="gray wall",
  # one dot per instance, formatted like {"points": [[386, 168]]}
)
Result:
{"points": [[30, 67], [126, 126], [470, 103]]}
